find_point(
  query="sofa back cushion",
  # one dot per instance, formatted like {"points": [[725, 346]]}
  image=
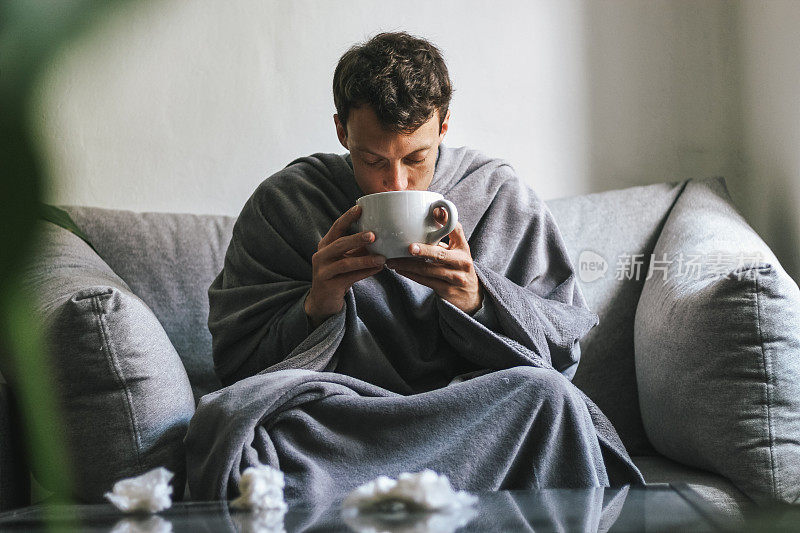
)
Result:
{"points": [[612, 230], [717, 337], [168, 260], [123, 396]]}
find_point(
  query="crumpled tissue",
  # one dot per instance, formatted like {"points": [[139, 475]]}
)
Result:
{"points": [[149, 492], [261, 489], [151, 524], [442, 521], [422, 491], [259, 521]]}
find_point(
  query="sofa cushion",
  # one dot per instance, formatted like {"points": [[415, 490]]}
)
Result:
{"points": [[728, 501], [606, 228], [717, 341], [124, 397], [169, 260]]}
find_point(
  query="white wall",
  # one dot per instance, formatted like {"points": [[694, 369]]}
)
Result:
{"points": [[187, 106], [770, 66], [662, 91]]}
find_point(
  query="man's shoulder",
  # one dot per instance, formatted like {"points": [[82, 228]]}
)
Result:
{"points": [[311, 166], [467, 153], [464, 164], [316, 181], [308, 173]]}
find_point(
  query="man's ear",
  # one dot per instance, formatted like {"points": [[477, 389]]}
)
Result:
{"points": [[341, 132], [445, 125]]}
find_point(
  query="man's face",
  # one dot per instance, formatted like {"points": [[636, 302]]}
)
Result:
{"points": [[388, 161]]}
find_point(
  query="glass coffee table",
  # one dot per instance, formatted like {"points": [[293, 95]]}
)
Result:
{"points": [[659, 507]]}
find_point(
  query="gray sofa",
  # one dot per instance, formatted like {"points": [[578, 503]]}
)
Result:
{"points": [[660, 369]]}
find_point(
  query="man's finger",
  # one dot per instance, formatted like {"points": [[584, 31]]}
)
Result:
{"points": [[349, 264], [440, 216], [348, 242], [457, 237], [406, 263], [430, 270], [351, 277], [356, 252], [435, 253], [436, 284], [341, 226]]}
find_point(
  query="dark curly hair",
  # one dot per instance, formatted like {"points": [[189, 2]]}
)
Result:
{"points": [[403, 78]]}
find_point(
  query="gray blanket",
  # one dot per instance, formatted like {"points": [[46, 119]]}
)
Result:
{"points": [[400, 380]]}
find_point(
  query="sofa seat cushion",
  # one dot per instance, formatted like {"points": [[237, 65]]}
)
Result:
{"points": [[717, 337], [124, 398], [722, 495]]}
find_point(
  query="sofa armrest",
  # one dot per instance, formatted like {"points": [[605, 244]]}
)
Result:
{"points": [[123, 395]]}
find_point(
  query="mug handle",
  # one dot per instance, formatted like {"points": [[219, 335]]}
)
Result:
{"points": [[452, 219]]}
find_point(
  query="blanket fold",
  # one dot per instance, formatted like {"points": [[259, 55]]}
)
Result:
{"points": [[395, 352], [329, 433]]}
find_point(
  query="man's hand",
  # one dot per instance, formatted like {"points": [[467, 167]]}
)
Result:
{"points": [[447, 269], [340, 261]]}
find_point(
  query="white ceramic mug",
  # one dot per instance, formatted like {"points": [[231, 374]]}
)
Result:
{"points": [[400, 218]]}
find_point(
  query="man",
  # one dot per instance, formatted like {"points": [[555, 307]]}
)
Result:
{"points": [[394, 152], [342, 366]]}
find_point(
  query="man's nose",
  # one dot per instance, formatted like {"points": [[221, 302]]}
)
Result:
{"points": [[397, 180]]}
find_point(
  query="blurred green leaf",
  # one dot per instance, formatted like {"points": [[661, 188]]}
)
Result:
{"points": [[61, 218], [31, 32]]}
